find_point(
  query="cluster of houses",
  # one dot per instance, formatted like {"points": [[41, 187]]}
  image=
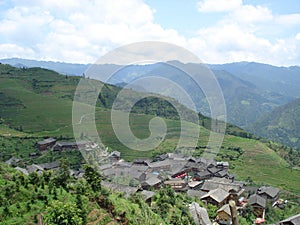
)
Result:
{"points": [[52, 143], [200, 178]]}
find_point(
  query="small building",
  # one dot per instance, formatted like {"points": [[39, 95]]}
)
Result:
{"points": [[194, 184], [224, 215], [147, 195], [152, 182], [60, 146], [50, 166], [34, 168], [268, 192], [259, 204], [115, 156], [293, 220], [142, 162], [13, 161], [176, 184], [24, 171], [127, 190], [223, 165], [195, 194], [202, 175], [217, 197], [46, 144]]}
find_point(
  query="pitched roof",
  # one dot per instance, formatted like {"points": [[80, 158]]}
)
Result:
{"points": [[49, 166], [295, 220], [46, 141], [24, 171], [195, 193], [218, 195], [115, 153], [214, 169], [194, 184], [226, 209], [175, 181], [152, 181], [225, 184], [203, 173], [34, 168], [255, 199], [119, 188], [147, 194], [270, 191]]}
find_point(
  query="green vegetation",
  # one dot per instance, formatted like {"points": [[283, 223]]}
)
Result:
{"points": [[37, 103], [57, 198], [282, 125]]}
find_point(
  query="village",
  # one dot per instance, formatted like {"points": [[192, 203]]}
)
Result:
{"points": [[205, 179]]}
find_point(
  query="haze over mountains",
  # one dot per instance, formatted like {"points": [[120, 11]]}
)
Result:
{"points": [[251, 90]]}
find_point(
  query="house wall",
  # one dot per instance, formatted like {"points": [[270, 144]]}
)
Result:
{"points": [[223, 216]]}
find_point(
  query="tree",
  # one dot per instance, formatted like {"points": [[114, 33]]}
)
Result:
{"points": [[212, 211], [63, 214], [63, 174], [93, 178]]}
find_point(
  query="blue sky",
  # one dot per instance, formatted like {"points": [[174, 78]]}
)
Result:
{"points": [[217, 31]]}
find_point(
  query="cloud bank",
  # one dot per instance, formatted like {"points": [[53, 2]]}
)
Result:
{"points": [[73, 31]]}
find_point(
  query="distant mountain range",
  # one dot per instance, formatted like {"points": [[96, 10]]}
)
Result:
{"points": [[282, 124], [251, 90]]}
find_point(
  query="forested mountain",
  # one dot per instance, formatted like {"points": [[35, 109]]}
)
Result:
{"points": [[282, 124], [250, 89], [37, 103]]}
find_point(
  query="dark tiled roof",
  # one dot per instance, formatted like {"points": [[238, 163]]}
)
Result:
{"points": [[147, 194], [225, 184], [257, 200], [226, 209], [213, 169], [119, 188], [295, 220], [194, 193], [152, 181], [46, 141], [270, 191], [34, 168], [50, 166], [218, 195]]}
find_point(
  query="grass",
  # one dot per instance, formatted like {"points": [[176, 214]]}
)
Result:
{"points": [[43, 108]]}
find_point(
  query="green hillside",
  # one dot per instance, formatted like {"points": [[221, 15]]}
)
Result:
{"points": [[37, 103], [282, 124]]}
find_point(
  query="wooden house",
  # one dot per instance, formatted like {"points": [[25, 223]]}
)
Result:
{"points": [[259, 204], [46, 144], [176, 184], [217, 197], [293, 220], [224, 215]]}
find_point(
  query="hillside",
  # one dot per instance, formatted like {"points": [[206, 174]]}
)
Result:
{"points": [[37, 103], [273, 79], [58, 198], [282, 124], [251, 90]]}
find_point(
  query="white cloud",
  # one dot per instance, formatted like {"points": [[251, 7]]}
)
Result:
{"points": [[251, 14], [289, 19], [71, 31], [13, 50], [247, 33], [218, 5]]}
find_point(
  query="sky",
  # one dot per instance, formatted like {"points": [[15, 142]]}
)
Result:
{"points": [[217, 31]]}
